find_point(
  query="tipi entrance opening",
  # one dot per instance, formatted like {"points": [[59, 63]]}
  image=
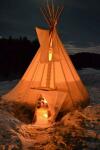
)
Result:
{"points": [[42, 113]]}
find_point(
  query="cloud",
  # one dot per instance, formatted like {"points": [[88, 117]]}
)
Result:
{"points": [[72, 49]]}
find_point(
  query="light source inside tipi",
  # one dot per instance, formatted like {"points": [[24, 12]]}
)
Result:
{"points": [[42, 112], [50, 55]]}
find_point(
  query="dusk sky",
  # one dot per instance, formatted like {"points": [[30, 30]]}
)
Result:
{"points": [[80, 20]]}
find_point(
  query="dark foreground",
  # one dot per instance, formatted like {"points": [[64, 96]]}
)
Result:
{"points": [[76, 131]]}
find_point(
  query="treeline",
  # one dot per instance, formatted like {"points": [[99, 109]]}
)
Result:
{"points": [[86, 60], [16, 55]]}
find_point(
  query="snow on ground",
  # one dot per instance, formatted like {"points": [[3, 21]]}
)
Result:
{"points": [[77, 130], [5, 86], [91, 78]]}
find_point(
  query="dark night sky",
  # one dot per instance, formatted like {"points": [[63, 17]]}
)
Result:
{"points": [[80, 20]]}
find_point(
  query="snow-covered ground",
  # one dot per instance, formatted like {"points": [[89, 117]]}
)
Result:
{"points": [[5, 86], [91, 78]]}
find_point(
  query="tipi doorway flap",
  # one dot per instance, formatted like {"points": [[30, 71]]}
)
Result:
{"points": [[55, 101], [48, 106]]}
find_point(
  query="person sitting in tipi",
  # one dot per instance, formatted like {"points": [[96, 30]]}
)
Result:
{"points": [[42, 113]]}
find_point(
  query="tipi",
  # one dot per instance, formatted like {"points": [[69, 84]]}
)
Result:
{"points": [[51, 74]]}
